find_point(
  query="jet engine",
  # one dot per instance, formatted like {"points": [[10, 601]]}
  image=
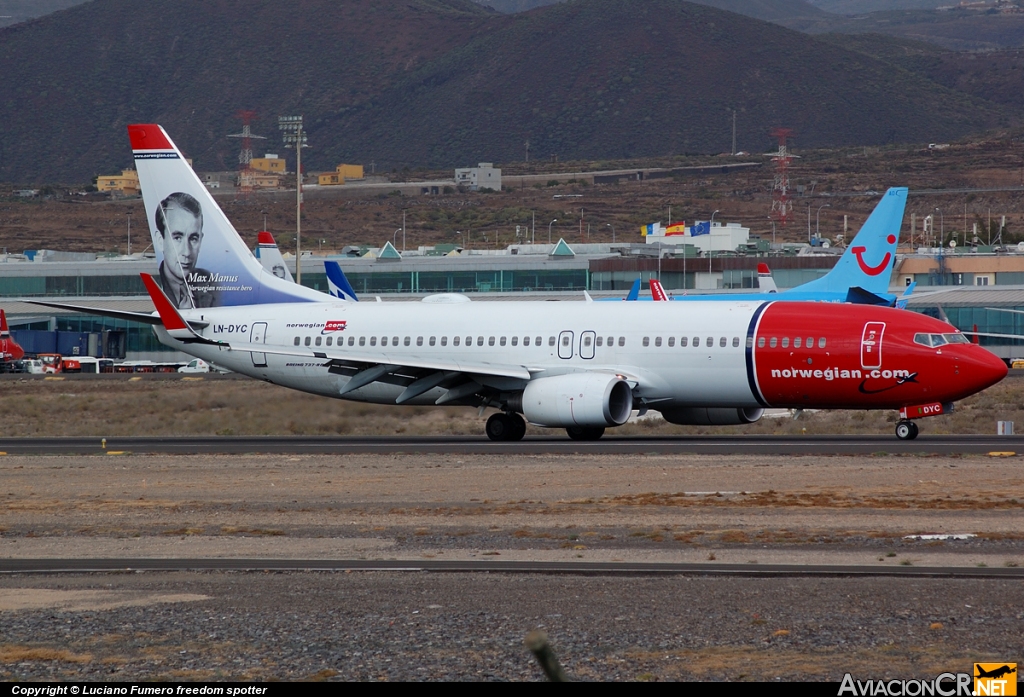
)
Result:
{"points": [[592, 400], [711, 416]]}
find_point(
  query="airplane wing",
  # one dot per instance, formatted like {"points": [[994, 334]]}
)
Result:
{"points": [[143, 317]]}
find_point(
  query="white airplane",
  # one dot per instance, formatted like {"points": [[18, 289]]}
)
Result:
{"points": [[582, 366]]}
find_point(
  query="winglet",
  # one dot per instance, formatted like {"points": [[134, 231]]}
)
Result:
{"points": [[172, 320]]}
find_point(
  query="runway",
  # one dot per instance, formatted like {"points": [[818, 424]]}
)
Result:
{"points": [[55, 566], [554, 445]]}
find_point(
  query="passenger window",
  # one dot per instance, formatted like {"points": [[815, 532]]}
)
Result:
{"points": [[501, 341], [647, 341], [373, 341], [433, 340], [297, 341], [469, 341], [515, 341], [565, 340], [683, 341], [539, 340], [710, 342], [821, 342], [526, 341], [657, 341], [480, 340], [490, 341], [419, 341], [696, 341], [408, 341], [352, 341], [307, 341], [671, 341], [444, 341], [383, 341], [586, 340], [810, 342], [796, 342], [722, 342], [318, 341], [394, 341], [773, 343], [622, 341], [611, 341], [735, 342], [455, 341], [362, 341], [551, 341], [600, 341], [785, 342], [760, 342]]}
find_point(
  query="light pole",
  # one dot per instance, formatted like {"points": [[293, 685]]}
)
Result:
{"points": [[773, 229], [613, 231], [394, 238], [942, 233], [129, 233], [549, 229], [710, 225], [808, 223], [403, 230], [817, 219], [294, 136], [264, 220]]}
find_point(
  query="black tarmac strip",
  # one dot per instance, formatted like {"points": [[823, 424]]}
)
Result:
{"points": [[703, 445], [59, 566]]}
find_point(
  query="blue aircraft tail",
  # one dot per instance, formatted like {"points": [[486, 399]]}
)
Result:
{"points": [[868, 261], [337, 284], [634, 292]]}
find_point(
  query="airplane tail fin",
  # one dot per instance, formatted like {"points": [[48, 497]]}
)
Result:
{"points": [[270, 256], [634, 292], [868, 262], [337, 284], [4, 331], [202, 260], [657, 291], [764, 279]]}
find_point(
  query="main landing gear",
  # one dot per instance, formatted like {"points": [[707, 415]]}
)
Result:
{"points": [[584, 433], [505, 427], [906, 430]]}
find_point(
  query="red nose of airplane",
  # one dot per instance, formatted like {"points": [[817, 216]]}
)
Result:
{"points": [[980, 368]]}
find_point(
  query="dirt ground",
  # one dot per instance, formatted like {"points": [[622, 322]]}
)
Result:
{"points": [[149, 406], [335, 218]]}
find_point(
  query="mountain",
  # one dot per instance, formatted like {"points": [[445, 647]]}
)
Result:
{"points": [[768, 10], [14, 11], [441, 83]]}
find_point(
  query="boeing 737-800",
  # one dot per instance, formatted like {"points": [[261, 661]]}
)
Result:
{"points": [[581, 366]]}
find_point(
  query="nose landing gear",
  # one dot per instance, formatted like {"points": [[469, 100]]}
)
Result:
{"points": [[906, 430]]}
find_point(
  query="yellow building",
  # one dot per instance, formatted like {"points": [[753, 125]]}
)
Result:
{"points": [[126, 183], [268, 163], [340, 174]]}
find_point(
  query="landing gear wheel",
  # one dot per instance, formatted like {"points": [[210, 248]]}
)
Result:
{"points": [[906, 430], [518, 427], [584, 433], [500, 427]]}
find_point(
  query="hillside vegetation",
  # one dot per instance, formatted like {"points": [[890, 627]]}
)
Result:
{"points": [[442, 83]]}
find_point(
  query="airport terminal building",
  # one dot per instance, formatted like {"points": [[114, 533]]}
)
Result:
{"points": [[973, 288]]}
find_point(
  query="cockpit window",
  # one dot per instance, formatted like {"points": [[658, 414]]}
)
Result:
{"points": [[936, 340]]}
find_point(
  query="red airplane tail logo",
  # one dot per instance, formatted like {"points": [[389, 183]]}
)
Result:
{"points": [[873, 270]]}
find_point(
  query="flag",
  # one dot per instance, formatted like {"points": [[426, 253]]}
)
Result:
{"points": [[702, 228]]}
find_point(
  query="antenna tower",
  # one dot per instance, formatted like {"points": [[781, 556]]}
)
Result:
{"points": [[245, 174], [782, 206]]}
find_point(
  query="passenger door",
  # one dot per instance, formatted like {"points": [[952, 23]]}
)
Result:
{"points": [[258, 335], [587, 341], [871, 345], [565, 345]]}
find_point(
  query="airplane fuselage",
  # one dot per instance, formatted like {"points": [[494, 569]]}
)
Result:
{"points": [[724, 354]]}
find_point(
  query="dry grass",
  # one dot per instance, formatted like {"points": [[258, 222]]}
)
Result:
{"points": [[226, 407], [16, 653]]}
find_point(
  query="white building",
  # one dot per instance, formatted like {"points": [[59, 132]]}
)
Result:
{"points": [[718, 238], [484, 176]]}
